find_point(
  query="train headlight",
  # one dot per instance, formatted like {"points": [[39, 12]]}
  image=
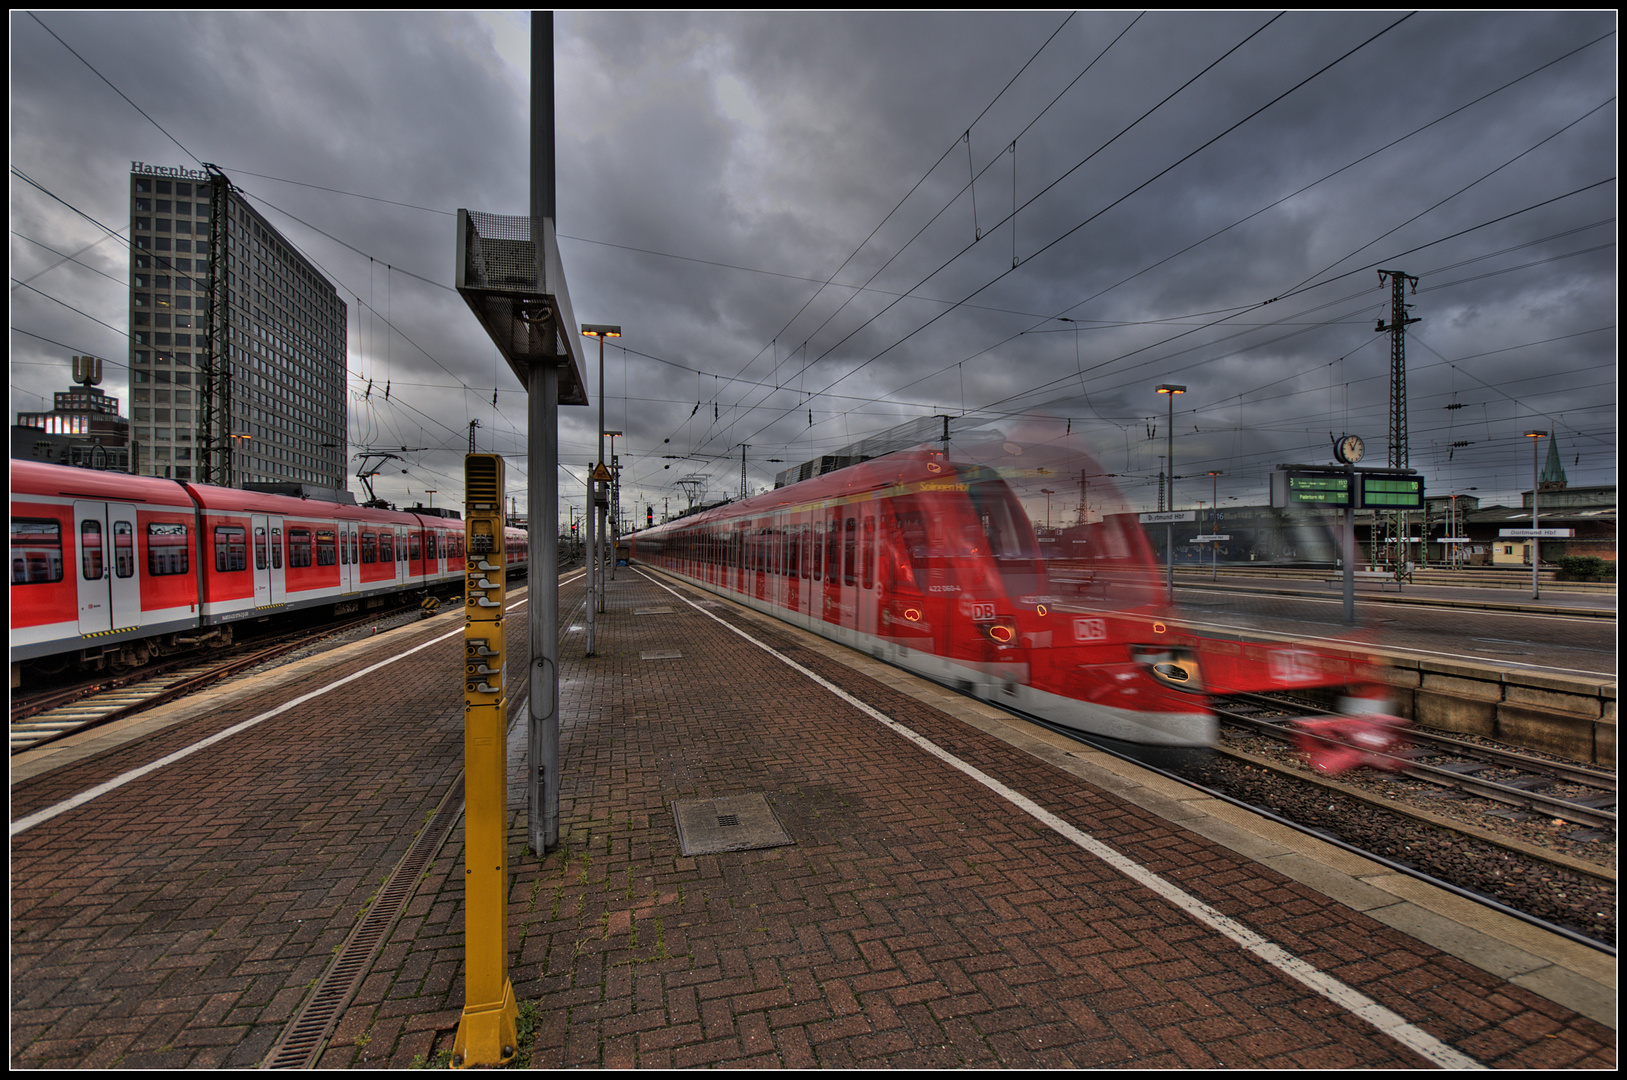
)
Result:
{"points": [[1175, 668], [1002, 633]]}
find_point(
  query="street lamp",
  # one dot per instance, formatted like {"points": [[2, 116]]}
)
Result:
{"points": [[1169, 526], [240, 443], [596, 523], [1536, 588]]}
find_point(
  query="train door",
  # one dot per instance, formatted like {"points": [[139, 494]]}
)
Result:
{"points": [[109, 586], [349, 551], [267, 560], [260, 560]]}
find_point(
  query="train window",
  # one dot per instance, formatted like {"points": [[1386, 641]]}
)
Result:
{"points": [[413, 547], [344, 548], [817, 554], [849, 551], [833, 548], [386, 547], [167, 550], [370, 547], [869, 552], [299, 547], [90, 550], [231, 548], [276, 548], [36, 551], [259, 547], [124, 549], [327, 548]]}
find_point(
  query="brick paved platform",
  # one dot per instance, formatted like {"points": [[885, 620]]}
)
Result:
{"points": [[919, 918]]}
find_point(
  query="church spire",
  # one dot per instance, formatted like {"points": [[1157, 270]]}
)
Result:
{"points": [[1553, 473]]}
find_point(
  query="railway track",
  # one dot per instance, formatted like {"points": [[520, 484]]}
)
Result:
{"points": [[1525, 783]]}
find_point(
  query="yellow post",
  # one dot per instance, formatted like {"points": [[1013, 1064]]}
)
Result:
{"points": [[486, 1031]]}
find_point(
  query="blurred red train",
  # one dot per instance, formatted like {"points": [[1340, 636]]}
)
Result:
{"points": [[927, 559], [108, 568]]}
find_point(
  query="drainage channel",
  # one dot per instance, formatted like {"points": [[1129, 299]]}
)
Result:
{"points": [[304, 1037]]}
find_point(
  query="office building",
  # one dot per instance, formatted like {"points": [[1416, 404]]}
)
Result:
{"points": [[279, 386]]}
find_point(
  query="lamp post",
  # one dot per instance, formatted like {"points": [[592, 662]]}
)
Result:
{"points": [[1169, 527], [1214, 524], [1536, 587], [240, 442], [596, 522], [1047, 492]]}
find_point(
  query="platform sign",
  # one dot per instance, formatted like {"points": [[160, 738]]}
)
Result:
{"points": [[1214, 538], [1168, 517], [1391, 492], [1536, 534]]}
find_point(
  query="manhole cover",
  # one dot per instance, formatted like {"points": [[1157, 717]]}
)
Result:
{"points": [[733, 823]]}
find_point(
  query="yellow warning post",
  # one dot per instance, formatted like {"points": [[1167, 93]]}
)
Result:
{"points": [[486, 1031]]}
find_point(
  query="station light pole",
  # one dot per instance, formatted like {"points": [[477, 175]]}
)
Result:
{"points": [[596, 521], [1536, 586], [1169, 526], [1214, 525]]}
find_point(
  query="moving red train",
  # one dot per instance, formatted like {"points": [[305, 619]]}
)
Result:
{"points": [[108, 568], [927, 558]]}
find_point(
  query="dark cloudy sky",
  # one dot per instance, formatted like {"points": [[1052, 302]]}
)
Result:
{"points": [[778, 210]]}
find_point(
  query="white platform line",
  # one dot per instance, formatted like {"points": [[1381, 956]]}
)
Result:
{"points": [[1345, 996]]}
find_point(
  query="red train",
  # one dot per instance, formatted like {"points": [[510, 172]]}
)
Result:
{"points": [[108, 568], [927, 558]]}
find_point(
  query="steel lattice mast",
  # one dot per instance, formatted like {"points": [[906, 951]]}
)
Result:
{"points": [[1397, 328]]}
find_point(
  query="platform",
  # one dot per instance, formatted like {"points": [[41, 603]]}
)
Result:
{"points": [[959, 888]]}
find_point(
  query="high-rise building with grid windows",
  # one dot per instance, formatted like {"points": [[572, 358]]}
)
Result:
{"points": [[278, 393]]}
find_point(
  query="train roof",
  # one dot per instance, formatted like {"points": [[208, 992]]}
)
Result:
{"points": [[41, 478], [919, 466]]}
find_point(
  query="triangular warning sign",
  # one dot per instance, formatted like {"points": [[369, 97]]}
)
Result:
{"points": [[601, 475]]}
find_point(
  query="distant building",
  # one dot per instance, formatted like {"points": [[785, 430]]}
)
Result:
{"points": [[280, 333], [84, 427]]}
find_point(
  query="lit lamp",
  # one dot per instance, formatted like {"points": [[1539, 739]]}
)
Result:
{"points": [[1169, 535], [1536, 587]]}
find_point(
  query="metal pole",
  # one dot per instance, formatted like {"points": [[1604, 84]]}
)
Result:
{"points": [[1169, 536], [603, 534], [1536, 585], [593, 558], [542, 484], [542, 521]]}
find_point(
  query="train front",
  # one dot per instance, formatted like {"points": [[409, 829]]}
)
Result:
{"points": [[1084, 605], [1059, 593]]}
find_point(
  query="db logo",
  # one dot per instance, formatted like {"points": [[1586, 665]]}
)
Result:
{"points": [[1090, 629], [983, 612]]}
